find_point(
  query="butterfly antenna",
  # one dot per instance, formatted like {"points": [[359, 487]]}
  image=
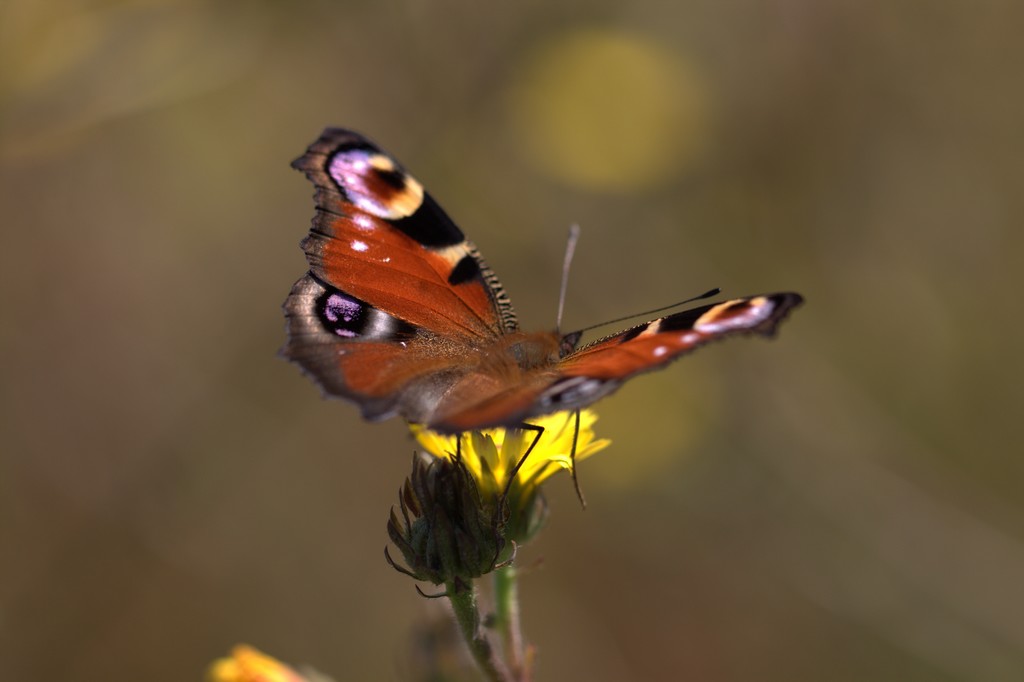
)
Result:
{"points": [[707, 294], [570, 250]]}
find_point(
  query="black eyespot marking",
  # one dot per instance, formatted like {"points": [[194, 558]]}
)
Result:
{"points": [[349, 318], [467, 269], [430, 226], [341, 314], [392, 177]]}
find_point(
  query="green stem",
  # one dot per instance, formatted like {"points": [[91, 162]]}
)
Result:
{"points": [[463, 599], [506, 607]]}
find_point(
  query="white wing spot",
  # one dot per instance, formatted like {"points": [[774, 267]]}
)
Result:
{"points": [[359, 246], [363, 221], [660, 350]]}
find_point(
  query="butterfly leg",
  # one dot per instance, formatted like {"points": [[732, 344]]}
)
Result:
{"points": [[572, 461], [539, 430], [503, 501]]}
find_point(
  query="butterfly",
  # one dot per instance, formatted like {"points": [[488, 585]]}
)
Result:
{"points": [[400, 313]]}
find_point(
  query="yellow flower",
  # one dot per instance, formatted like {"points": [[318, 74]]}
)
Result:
{"points": [[492, 454], [246, 664], [460, 517]]}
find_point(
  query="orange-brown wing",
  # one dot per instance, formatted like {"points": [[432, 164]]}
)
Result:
{"points": [[378, 236], [592, 372], [654, 344], [395, 295], [355, 351]]}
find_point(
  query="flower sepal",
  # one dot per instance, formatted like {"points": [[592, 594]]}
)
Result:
{"points": [[447, 531]]}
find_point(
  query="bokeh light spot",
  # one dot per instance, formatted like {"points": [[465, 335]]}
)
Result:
{"points": [[608, 111]]}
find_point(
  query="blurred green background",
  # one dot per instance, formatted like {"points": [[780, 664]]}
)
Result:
{"points": [[841, 504]]}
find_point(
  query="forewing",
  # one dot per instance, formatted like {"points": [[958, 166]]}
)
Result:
{"points": [[395, 295], [378, 236]]}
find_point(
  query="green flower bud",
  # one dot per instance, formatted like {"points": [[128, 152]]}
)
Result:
{"points": [[448, 532]]}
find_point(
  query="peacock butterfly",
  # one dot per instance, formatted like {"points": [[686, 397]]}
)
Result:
{"points": [[400, 314]]}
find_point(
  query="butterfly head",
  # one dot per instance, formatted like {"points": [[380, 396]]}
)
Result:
{"points": [[530, 350], [568, 343]]}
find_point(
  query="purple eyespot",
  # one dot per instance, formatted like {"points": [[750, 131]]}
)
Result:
{"points": [[374, 183], [342, 314], [339, 307]]}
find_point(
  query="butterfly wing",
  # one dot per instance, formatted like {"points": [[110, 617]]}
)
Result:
{"points": [[395, 295], [595, 370], [654, 344]]}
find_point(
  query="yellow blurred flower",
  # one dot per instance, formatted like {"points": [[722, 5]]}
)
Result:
{"points": [[608, 110], [246, 664]]}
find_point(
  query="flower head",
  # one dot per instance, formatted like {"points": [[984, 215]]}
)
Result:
{"points": [[472, 493], [493, 455]]}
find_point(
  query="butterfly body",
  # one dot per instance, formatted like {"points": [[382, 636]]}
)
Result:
{"points": [[400, 314]]}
